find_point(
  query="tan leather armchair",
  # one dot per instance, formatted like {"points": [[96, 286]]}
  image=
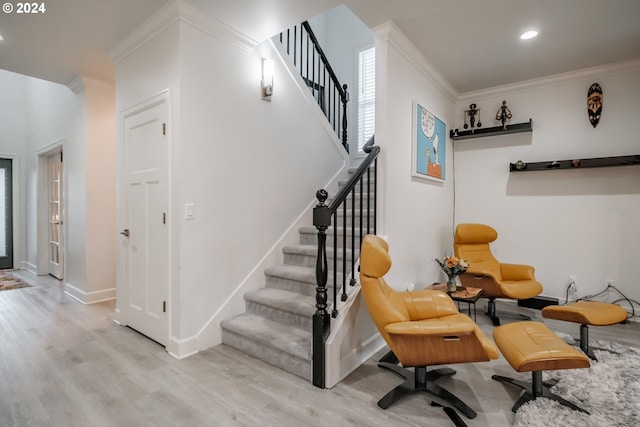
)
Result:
{"points": [[499, 280], [422, 328]]}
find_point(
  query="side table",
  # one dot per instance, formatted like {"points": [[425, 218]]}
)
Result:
{"points": [[462, 294]]}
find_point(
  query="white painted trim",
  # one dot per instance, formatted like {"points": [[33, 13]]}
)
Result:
{"points": [[391, 34], [553, 80], [80, 83], [172, 12], [215, 28], [31, 268], [181, 349], [89, 297]]}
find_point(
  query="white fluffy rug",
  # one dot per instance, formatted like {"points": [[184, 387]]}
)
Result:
{"points": [[609, 390]]}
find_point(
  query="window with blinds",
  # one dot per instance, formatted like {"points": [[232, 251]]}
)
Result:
{"points": [[366, 95]]}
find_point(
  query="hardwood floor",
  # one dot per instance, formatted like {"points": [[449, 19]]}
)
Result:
{"points": [[63, 363]]}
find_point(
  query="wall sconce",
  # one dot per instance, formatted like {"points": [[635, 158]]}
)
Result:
{"points": [[267, 78]]}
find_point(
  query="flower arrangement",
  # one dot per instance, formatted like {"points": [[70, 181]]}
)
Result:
{"points": [[452, 267]]}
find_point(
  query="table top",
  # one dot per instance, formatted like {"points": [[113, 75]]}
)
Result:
{"points": [[466, 294]]}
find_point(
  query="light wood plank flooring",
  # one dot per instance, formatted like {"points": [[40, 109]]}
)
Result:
{"points": [[63, 363]]}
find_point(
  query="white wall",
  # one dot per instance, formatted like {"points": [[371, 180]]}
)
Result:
{"points": [[100, 171], [33, 114], [225, 141], [417, 215], [565, 222], [89, 169]]}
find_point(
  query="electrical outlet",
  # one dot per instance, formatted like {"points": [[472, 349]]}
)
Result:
{"points": [[609, 282]]}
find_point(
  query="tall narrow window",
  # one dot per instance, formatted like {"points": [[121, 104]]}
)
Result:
{"points": [[366, 95]]}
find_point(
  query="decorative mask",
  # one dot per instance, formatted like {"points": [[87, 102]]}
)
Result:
{"points": [[594, 104]]}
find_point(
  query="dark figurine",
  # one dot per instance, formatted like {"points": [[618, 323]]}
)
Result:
{"points": [[471, 113], [594, 104], [503, 114]]}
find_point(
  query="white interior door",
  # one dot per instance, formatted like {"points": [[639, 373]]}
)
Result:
{"points": [[56, 249], [146, 233]]}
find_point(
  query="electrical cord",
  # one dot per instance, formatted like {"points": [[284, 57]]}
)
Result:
{"points": [[624, 298], [566, 296]]}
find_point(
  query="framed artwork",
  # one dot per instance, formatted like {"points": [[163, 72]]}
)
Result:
{"points": [[429, 147]]}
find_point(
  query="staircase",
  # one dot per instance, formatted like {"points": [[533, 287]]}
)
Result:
{"points": [[277, 324], [279, 320]]}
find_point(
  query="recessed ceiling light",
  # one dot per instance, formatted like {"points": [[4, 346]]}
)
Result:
{"points": [[529, 35]]}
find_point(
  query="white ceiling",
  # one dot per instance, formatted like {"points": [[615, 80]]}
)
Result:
{"points": [[473, 43]]}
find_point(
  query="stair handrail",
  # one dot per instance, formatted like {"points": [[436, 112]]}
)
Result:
{"points": [[339, 124], [322, 220]]}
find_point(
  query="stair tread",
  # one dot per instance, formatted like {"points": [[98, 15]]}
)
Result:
{"points": [[295, 272], [313, 230], [309, 249], [281, 299], [270, 333]]}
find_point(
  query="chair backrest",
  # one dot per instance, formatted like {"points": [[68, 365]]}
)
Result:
{"points": [[471, 243], [383, 302]]}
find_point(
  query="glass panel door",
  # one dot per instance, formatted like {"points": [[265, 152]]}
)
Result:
{"points": [[55, 216]]}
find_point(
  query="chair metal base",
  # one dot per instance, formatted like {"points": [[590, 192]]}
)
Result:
{"points": [[493, 314], [586, 347], [421, 381], [536, 388]]}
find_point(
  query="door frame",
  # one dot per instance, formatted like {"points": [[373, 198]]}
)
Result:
{"points": [[42, 207], [15, 211], [120, 315]]}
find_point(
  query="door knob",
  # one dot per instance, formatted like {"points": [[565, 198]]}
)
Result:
{"points": [[125, 232]]}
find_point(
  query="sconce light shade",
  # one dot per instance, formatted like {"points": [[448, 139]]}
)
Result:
{"points": [[267, 79]]}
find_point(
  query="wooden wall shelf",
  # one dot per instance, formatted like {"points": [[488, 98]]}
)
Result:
{"points": [[596, 162], [456, 134]]}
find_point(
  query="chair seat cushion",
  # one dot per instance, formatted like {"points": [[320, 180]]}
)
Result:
{"points": [[532, 346], [587, 312], [520, 289]]}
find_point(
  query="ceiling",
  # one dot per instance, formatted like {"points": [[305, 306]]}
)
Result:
{"points": [[474, 44]]}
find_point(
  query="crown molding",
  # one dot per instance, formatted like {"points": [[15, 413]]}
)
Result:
{"points": [[391, 34], [80, 83], [554, 80], [76, 85], [179, 11]]}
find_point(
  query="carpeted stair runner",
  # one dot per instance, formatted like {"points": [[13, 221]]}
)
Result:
{"points": [[276, 327]]}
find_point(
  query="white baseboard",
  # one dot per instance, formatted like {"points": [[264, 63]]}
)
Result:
{"points": [[89, 297], [31, 268], [181, 349]]}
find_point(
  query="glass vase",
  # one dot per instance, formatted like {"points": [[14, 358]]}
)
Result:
{"points": [[451, 284]]}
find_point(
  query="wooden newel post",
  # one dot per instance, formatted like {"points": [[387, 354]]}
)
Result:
{"points": [[321, 318]]}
